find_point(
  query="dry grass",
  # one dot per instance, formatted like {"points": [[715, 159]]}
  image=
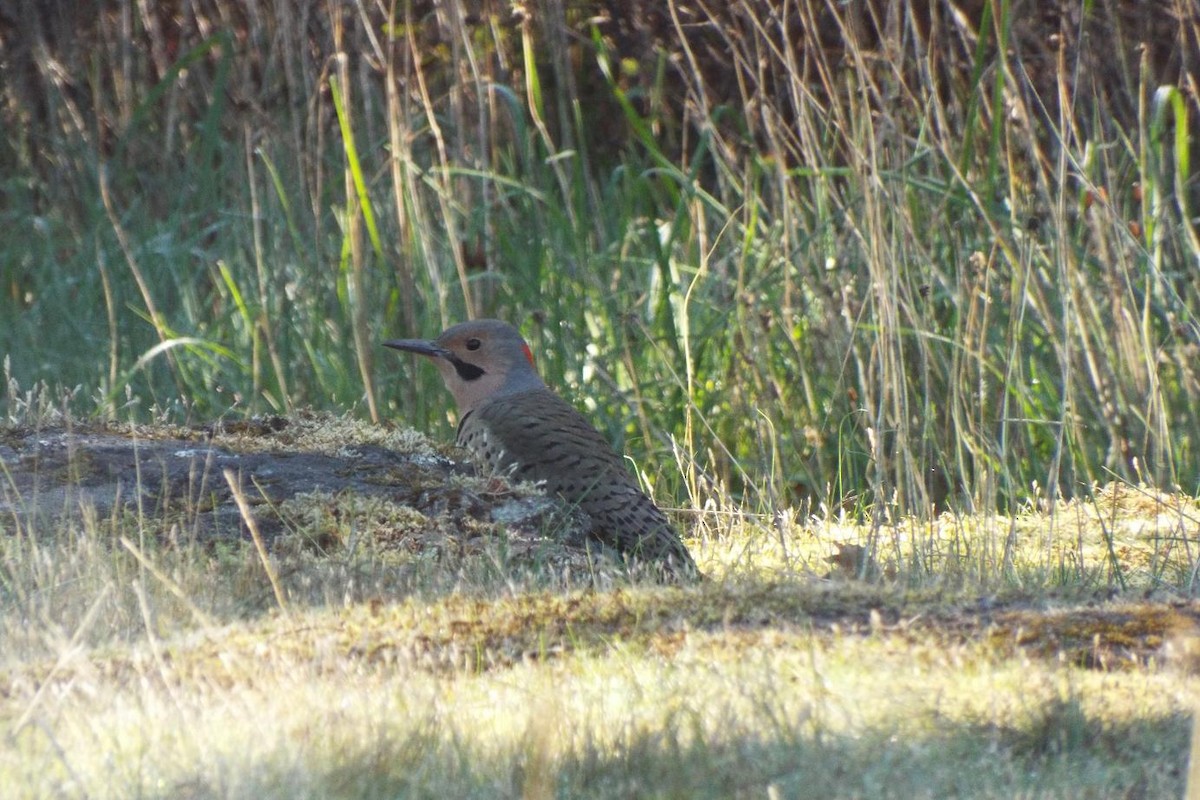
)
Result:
{"points": [[795, 706], [970, 657]]}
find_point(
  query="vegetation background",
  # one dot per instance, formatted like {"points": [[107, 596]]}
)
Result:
{"points": [[884, 253]]}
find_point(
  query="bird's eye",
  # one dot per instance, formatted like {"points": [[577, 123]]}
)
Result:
{"points": [[473, 344]]}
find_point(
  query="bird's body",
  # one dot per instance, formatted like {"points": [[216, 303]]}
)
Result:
{"points": [[512, 423]]}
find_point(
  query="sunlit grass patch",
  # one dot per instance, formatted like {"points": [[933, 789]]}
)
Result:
{"points": [[452, 674], [1124, 538], [812, 715]]}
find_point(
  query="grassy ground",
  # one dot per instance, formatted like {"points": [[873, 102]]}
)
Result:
{"points": [[319, 705], [824, 273], [1050, 654]]}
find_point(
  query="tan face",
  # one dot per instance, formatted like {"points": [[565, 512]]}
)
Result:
{"points": [[478, 360]]}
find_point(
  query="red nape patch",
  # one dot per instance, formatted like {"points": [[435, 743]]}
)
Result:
{"points": [[528, 353]]}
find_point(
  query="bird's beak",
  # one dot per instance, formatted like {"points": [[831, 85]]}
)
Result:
{"points": [[418, 346]]}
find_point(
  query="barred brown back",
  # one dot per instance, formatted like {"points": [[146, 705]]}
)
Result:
{"points": [[538, 436]]}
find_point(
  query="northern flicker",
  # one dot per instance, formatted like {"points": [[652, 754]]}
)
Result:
{"points": [[511, 423]]}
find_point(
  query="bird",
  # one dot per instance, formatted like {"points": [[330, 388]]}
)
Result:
{"points": [[512, 423]]}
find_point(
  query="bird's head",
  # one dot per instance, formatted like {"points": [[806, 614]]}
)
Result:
{"points": [[479, 361]]}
